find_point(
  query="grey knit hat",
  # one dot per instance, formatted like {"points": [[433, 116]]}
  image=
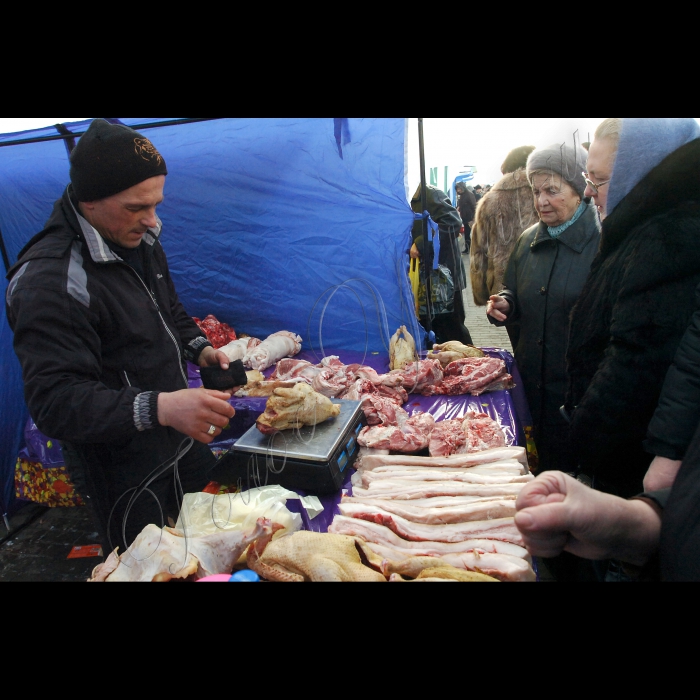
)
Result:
{"points": [[562, 160]]}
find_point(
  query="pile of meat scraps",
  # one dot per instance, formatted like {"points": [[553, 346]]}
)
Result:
{"points": [[217, 333], [421, 513]]}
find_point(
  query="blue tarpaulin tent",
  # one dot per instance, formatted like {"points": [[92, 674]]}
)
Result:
{"points": [[269, 224]]}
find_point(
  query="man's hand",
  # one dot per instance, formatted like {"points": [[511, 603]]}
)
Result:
{"points": [[414, 251], [498, 307], [661, 473], [194, 411], [555, 512], [209, 357]]}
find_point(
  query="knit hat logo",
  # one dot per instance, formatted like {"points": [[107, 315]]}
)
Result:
{"points": [[144, 148]]}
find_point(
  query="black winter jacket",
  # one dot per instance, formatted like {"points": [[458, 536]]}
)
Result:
{"points": [[678, 412], [95, 341], [542, 282], [629, 319]]}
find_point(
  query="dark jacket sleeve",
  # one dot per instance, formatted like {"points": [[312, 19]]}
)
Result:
{"points": [[62, 386], [678, 413]]}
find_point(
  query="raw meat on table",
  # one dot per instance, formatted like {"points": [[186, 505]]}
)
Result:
{"points": [[217, 333], [273, 348], [238, 349], [379, 534], [412, 436]]}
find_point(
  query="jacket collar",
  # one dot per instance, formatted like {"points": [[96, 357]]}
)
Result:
{"points": [[100, 252], [576, 237]]}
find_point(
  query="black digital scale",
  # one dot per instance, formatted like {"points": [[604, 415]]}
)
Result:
{"points": [[313, 458]]}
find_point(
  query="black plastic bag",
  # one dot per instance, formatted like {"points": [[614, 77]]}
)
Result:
{"points": [[442, 292]]}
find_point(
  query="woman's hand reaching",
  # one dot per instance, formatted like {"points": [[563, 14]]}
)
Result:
{"points": [[498, 307]]}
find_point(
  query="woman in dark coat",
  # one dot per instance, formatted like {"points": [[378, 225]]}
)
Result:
{"points": [[637, 302], [545, 273]]}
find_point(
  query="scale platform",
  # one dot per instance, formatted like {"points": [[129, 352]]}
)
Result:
{"points": [[313, 458]]}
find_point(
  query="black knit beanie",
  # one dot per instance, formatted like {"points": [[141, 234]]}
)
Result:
{"points": [[110, 158]]}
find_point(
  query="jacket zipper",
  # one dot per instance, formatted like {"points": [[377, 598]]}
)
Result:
{"points": [[165, 325], [126, 379]]}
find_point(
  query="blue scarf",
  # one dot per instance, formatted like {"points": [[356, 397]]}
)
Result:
{"points": [[556, 231]]}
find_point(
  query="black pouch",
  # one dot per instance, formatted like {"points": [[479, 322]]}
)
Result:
{"points": [[217, 378]]}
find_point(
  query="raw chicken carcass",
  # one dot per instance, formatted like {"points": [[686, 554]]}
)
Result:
{"points": [[310, 556], [273, 348], [295, 407], [453, 350], [402, 350], [163, 554]]}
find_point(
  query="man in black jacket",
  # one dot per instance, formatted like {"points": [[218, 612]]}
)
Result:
{"points": [[103, 338]]}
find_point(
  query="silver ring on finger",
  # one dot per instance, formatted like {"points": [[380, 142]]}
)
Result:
{"points": [[212, 430]]}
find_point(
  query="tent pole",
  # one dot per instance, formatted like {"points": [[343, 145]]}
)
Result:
{"points": [[427, 262], [3, 251]]}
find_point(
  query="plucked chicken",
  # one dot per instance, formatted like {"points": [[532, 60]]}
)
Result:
{"points": [[402, 349], [294, 407]]}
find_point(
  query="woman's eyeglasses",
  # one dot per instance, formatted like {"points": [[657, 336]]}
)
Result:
{"points": [[592, 184]]}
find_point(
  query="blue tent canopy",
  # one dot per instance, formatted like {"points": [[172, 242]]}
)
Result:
{"points": [[269, 224]]}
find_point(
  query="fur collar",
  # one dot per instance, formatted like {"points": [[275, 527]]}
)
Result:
{"points": [[674, 181]]}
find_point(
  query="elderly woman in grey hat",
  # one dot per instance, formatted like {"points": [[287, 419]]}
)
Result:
{"points": [[543, 279]]}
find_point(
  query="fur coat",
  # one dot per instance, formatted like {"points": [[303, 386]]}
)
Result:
{"points": [[628, 322], [501, 216]]}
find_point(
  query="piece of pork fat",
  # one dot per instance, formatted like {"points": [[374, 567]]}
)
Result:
{"points": [[378, 534], [333, 381], [436, 502], [409, 490], [506, 466], [496, 529], [500, 566], [463, 460], [468, 476], [480, 510]]}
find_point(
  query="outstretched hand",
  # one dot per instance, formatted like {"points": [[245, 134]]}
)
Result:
{"points": [[555, 512], [194, 411], [498, 307]]}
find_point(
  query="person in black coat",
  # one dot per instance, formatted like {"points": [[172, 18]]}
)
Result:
{"points": [[448, 326], [466, 206], [644, 175], [678, 412]]}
